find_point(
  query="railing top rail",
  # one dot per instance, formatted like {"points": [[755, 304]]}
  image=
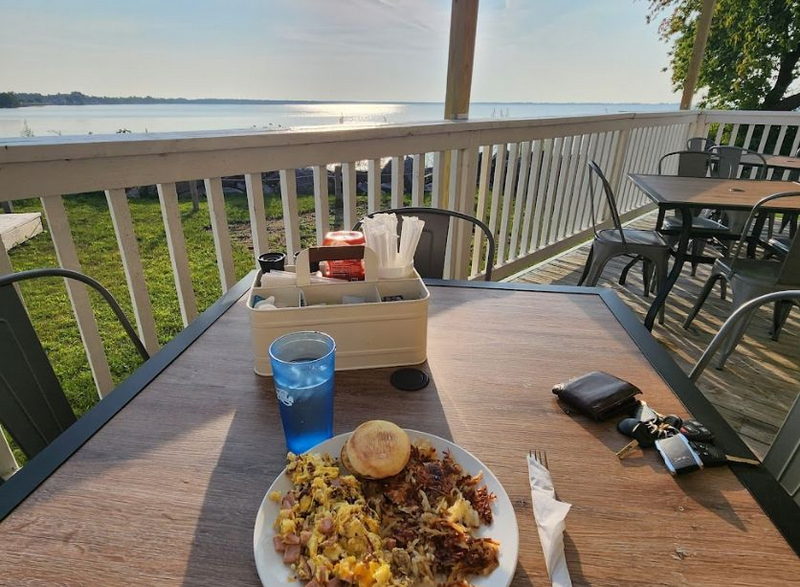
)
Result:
{"points": [[751, 116], [55, 148]]}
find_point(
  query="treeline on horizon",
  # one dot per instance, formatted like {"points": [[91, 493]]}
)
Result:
{"points": [[18, 99]]}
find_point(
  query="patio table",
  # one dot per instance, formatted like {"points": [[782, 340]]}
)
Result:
{"points": [[166, 478], [685, 194], [783, 162]]}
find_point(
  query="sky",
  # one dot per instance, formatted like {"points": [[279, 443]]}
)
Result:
{"points": [[387, 50]]}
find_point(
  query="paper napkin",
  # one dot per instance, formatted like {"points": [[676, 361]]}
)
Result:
{"points": [[549, 514]]}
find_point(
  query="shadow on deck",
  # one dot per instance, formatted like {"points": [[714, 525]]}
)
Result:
{"points": [[762, 377]]}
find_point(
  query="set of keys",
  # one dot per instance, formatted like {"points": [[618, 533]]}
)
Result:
{"points": [[648, 427]]}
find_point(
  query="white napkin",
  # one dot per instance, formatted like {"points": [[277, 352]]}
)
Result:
{"points": [[549, 514]]}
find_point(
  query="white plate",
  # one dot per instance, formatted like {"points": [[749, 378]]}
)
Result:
{"points": [[273, 573]]}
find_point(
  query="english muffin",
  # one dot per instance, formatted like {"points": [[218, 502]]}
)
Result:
{"points": [[376, 449]]}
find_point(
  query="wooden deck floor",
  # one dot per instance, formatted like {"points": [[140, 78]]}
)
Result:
{"points": [[760, 380]]}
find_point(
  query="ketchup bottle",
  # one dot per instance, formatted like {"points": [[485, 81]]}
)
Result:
{"points": [[349, 269]]}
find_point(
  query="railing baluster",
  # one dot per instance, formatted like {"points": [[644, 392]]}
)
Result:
{"points": [[349, 195], [176, 245], [398, 181], [580, 178], [558, 202], [733, 135], [540, 211], [8, 464], [254, 186], [321, 203], [374, 185], [552, 182], [522, 184], [132, 265], [417, 179], [764, 134], [718, 137], [291, 219], [67, 256], [219, 230], [569, 193], [497, 189], [511, 174], [586, 187], [530, 196], [438, 179], [464, 202], [480, 208]]}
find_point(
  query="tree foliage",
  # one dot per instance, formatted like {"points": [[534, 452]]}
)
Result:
{"points": [[752, 59]]}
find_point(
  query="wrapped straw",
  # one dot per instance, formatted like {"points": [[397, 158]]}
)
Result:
{"points": [[380, 233]]}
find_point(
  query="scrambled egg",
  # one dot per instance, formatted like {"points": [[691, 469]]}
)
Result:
{"points": [[326, 513]]}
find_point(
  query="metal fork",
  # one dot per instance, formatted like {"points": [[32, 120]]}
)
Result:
{"points": [[541, 458]]}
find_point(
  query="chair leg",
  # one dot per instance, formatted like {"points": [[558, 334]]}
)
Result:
{"points": [[588, 264], [624, 275], [596, 270], [779, 316], [735, 336], [698, 248], [647, 277], [662, 270], [701, 299]]}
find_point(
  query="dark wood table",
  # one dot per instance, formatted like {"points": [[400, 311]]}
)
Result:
{"points": [[685, 194], [783, 162], [164, 490]]}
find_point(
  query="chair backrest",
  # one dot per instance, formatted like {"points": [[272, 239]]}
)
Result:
{"points": [[699, 143], [789, 274], [690, 163], [33, 407], [610, 200], [783, 458], [728, 159], [430, 255]]}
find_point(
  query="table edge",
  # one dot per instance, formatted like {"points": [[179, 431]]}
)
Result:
{"points": [[764, 488], [656, 197], [25, 481]]}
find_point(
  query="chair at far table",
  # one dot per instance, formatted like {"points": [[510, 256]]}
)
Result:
{"points": [[699, 144], [430, 255], [783, 457], [648, 245], [751, 278], [33, 407]]}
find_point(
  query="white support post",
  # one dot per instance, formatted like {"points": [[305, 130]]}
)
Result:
{"points": [[698, 51]]}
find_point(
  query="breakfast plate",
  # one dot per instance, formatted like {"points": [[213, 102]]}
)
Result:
{"points": [[274, 573]]}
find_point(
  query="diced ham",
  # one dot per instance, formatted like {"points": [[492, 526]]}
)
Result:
{"points": [[291, 554], [334, 583], [326, 525], [288, 501], [291, 539], [277, 541], [313, 583], [305, 536]]}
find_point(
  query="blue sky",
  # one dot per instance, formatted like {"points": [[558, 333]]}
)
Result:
{"points": [[526, 50]]}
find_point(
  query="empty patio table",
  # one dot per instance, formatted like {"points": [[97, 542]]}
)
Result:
{"points": [[685, 194], [166, 492], [783, 162]]}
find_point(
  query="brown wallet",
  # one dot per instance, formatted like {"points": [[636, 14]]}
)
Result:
{"points": [[598, 395]]}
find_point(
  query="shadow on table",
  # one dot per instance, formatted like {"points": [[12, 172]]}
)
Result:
{"points": [[222, 549]]}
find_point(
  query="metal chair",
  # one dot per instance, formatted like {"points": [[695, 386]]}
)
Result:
{"points": [[33, 407], [699, 144], [751, 278], [430, 255], [618, 241], [783, 457]]}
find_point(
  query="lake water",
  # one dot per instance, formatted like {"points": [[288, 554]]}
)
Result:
{"points": [[144, 118]]}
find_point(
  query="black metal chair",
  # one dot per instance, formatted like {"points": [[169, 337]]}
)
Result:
{"points": [[699, 144], [33, 407], [429, 257], [647, 245]]}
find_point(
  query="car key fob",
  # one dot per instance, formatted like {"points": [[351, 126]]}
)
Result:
{"points": [[713, 456], [696, 432]]}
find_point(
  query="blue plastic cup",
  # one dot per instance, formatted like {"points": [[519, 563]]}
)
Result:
{"points": [[302, 368]]}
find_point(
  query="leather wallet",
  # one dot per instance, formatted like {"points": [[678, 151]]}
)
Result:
{"points": [[598, 395]]}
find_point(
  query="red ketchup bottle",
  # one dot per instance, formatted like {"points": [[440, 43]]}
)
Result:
{"points": [[349, 269]]}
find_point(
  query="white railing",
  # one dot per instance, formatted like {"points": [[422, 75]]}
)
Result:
{"points": [[526, 178]]}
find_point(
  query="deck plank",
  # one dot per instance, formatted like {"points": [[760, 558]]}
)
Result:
{"points": [[760, 380]]}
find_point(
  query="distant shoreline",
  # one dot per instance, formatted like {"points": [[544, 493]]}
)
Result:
{"points": [[24, 100]]}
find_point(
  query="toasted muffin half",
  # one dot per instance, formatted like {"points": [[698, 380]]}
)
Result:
{"points": [[376, 449]]}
